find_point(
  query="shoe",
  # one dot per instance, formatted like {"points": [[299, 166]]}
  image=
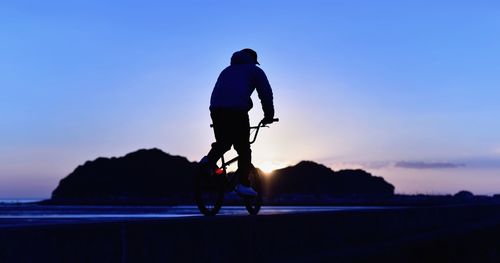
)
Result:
{"points": [[245, 190]]}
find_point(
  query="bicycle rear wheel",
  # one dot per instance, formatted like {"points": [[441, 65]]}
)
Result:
{"points": [[253, 204], [209, 193]]}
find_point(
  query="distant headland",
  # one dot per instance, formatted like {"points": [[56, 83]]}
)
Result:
{"points": [[151, 176]]}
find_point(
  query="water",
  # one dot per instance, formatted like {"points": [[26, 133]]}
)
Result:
{"points": [[28, 214], [37, 211], [20, 200]]}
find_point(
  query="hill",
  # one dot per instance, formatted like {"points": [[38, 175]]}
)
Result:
{"points": [[153, 176], [144, 174], [311, 178]]}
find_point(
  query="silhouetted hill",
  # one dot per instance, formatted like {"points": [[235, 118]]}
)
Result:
{"points": [[150, 176], [141, 174], [311, 178]]}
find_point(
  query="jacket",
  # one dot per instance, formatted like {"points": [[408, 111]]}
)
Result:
{"points": [[236, 84]]}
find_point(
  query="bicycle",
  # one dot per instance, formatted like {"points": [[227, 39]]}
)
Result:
{"points": [[210, 189]]}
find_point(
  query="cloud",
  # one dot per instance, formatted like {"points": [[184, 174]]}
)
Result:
{"points": [[340, 165], [427, 165], [469, 163]]}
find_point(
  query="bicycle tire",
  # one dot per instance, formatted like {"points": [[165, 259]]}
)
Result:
{"points": [[209, 193], [253, 204]]}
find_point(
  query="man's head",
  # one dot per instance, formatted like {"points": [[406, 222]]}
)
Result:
{"points": [[252, 53]]}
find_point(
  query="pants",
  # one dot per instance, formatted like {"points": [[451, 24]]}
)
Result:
{"points": [[232, 128]]}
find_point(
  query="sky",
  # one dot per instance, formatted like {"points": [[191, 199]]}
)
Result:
{"points": [[407, 90]]}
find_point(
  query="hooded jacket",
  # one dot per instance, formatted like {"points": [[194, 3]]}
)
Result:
{"points": [[236, 84]]}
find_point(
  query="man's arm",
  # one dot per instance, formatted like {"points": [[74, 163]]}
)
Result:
{"points": [[265, 94]]}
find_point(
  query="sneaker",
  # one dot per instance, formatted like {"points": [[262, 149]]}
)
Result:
{"points": [[245, 190]]}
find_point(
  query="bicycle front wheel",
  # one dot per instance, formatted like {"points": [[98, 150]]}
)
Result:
{"points": [[253, 204], [209, 193]]}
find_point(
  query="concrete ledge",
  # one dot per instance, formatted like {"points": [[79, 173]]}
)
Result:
{"points": [[450, 234]]}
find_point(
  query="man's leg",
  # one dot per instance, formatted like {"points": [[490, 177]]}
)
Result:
{"points": [[242, 146], [222, 129]]}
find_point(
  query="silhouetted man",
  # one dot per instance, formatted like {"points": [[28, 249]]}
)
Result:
{"points": [[229, 106]]}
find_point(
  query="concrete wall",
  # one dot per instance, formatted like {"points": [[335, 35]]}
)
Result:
{"points": [[446, 234]]}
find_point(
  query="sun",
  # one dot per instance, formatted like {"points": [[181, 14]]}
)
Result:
{"points": [[269, 166]]}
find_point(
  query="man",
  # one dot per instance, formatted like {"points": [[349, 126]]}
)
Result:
{"points": [[229, 106]]}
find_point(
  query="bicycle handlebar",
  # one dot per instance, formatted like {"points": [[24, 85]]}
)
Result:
{"points": [[258, 126]]}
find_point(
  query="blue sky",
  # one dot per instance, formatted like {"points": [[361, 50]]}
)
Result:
{"points": [[356, 83]]}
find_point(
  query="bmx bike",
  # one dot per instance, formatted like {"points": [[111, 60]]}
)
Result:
{"points": [[211, 188]]}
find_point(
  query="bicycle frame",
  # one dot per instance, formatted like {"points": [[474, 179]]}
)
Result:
{"points": [[224, 164], [210, 190]]}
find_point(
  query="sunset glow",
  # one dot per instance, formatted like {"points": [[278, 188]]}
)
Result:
{"points": [[269, 166], [357, 84]]}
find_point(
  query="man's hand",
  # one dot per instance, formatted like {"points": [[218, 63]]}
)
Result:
{"points": [[267, 120]]}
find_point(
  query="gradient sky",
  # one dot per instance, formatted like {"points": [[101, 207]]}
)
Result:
{"points": [[357, 84]]}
